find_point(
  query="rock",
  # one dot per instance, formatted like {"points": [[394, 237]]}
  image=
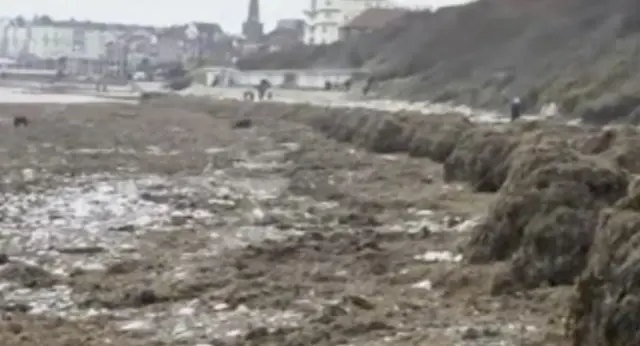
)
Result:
{"points": [[471, 333], [257, 333], [421, 232], [330, 313], [359, 301], [147, 297], [491, 332], [81, 250], [4, 259], [358, 219], [242, 124], [15, 307], [124, 228], [15, 328], [155, 197], [123, 267], [180, 220], [29, 276]]}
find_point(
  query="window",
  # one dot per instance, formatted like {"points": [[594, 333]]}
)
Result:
{"points": [[45, 40], [327, 2], [78, 40], [324, 29], [327, 14]]}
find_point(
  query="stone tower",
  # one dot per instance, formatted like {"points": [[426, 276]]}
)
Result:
{"points": [[252, 28]]}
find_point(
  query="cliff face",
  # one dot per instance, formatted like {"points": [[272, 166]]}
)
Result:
{"points": [[581, 54]]}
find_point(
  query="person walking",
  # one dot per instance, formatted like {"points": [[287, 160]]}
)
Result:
{"points": [[367, 86], [516, 109], [262, 88]]}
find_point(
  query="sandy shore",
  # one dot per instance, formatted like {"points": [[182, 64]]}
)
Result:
{"points": [[166, 223]]}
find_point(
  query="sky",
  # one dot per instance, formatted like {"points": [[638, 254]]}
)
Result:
{"points": [[228, 13]]}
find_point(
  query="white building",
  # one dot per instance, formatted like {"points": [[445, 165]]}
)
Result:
{"points": [[325, 17], [83, 45], [47, 41]]}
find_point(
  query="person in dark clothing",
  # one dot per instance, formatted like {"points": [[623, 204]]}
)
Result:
{"points": [[367, 86], [516, 109], [216, 81], [262, 88], [347, 85]]}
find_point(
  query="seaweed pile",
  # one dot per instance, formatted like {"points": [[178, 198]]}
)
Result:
{"points": [[567, 209]]}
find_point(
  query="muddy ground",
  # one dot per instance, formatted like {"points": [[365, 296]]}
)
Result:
{"points": [[178, 225]]}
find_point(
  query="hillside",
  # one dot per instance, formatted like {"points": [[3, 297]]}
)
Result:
{"points": [[582, 54]]}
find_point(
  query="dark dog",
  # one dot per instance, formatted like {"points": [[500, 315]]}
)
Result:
{"points": [[20, 120], [248, 95]]}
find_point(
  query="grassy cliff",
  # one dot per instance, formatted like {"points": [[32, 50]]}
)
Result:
{"points": [[582, 54]]}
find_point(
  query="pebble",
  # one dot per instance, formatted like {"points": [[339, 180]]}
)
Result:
{"points": [[471, 333]]}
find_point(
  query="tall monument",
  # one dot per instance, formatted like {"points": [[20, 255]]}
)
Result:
{"points": [[252, 28]]}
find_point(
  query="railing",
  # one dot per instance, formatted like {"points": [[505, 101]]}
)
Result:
{"points": [[290, 79]]}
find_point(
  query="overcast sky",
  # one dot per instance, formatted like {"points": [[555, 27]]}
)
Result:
{"points": [[228, 13]]}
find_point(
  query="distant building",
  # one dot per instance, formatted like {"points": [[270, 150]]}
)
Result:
{"points": [[324, 18], [170, 46], [291, 23], [252, 28], [203, 42], [288, 33], [93, 48], [283, 38], [84, 46], [369, 20]]}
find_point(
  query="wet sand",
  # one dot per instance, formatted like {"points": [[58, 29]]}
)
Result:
{"points": [[155, 225]]}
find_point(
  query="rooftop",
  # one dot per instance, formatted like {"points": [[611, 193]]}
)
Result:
{"points": [[375, 18]]}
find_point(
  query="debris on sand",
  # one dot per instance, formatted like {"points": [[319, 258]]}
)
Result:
{"points": [[150, 95], [560, 215], [27, 275], [287, 237], [242, 124]]}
